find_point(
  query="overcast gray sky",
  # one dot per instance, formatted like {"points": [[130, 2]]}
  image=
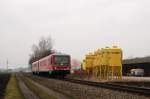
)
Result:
{"points": [[76, 26]]}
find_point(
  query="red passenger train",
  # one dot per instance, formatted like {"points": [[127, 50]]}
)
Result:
{"points": [[54, 64]]}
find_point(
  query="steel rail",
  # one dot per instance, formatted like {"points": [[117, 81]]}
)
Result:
{"points": [[132, 89], [124, 88]]}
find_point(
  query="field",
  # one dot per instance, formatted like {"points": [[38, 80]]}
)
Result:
{"points": [[4, 78]]}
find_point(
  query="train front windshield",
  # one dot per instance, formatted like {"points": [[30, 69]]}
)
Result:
{"points": [[62, 60]]}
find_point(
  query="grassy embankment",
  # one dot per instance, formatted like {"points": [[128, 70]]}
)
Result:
{"points": [[12, 90], [38, 91]]}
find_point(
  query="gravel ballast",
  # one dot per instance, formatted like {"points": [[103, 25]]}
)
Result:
{"points": [[78, 91]]}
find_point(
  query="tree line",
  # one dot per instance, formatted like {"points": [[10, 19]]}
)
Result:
{"points": [[42, 49]]}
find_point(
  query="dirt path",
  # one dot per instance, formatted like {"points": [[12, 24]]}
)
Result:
{"points": [[28, 94], [49, 91]]}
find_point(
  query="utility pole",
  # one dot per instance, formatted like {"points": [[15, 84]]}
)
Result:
{"points": [[7, 64]]}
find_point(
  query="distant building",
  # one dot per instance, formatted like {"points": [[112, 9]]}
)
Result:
{"points": [[136, 63], [75, 65]]}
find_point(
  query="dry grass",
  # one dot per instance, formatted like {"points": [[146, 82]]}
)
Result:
{"points": [[12, 90]]}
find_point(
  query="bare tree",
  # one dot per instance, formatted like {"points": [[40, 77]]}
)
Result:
{"points": [[44, 48], [45, 43], [35, 50]]}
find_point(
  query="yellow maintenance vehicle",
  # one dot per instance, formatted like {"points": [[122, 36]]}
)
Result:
{"points": [[96, 63], [89, 63], [104, 63], [114, 63]]}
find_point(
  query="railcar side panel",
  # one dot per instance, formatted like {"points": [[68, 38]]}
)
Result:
{"points": [[53, 64]]}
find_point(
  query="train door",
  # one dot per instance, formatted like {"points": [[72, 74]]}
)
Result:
{"points": [[38, 67]]}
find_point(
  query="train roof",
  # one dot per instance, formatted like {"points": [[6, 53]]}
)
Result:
{"points": [[137, 60], [57, 53]]}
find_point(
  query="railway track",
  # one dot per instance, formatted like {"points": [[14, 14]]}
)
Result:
{"points": [[125, 88], [79, 88], [51, 94], [113, 86]]}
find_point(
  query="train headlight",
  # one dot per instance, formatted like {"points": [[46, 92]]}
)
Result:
{"points": [[54, 68]]}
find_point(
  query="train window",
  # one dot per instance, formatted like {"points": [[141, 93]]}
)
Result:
{"points": [[62, 60]]}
